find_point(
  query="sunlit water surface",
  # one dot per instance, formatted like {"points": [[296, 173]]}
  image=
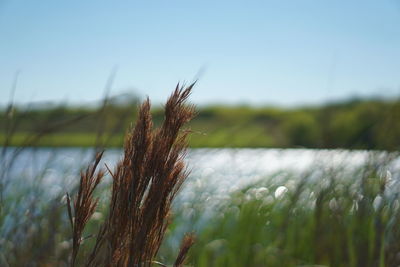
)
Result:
{"points": [[214, 175], [217, 172]]}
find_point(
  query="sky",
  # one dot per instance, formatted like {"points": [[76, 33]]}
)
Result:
{"points": [[241, 52]]}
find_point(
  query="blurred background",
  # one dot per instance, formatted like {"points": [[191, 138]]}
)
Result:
{"points": [[269, 73]]}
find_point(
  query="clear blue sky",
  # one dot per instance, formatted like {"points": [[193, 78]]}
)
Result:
{"points": [[282, 52]]}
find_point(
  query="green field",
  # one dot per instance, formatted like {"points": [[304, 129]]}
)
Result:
{"points": [[361, 124]]}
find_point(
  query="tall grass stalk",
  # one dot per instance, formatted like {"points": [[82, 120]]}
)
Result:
{"points": [[144, 184]]}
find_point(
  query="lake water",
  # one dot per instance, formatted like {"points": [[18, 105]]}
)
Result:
{"points": [[216, 172], [38, 175]]}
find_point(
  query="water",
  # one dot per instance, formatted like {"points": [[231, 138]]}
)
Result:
{"points": [[216, 172], [35, 175]]}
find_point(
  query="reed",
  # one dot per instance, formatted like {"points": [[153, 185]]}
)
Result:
{"points": [[84, 205], [144, 185]]}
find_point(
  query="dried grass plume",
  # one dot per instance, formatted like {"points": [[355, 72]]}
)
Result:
{"points": [[145, 182]]}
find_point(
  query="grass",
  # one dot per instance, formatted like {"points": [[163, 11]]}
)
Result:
{"points": [[351, 221], [65, 140], [237, 135], [357, 124], [144, 184], [325, 217], [322, 217]]}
